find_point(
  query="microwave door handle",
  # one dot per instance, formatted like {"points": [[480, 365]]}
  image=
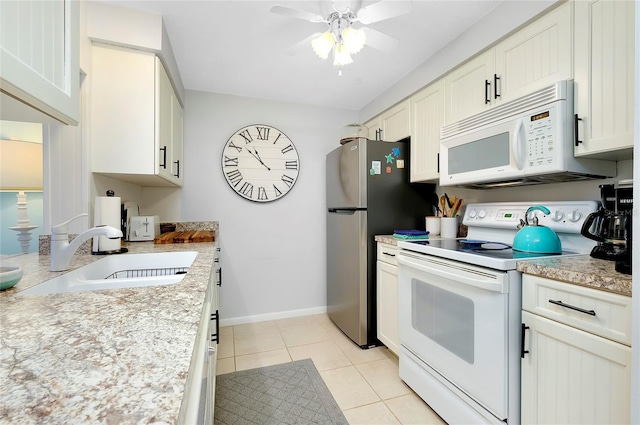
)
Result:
{"points": [[518, 143]]}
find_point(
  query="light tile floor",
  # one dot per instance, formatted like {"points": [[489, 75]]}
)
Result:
{"points": [[365, 383]]}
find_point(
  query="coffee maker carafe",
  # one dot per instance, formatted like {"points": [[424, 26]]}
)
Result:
{"points": [[611, 225]]}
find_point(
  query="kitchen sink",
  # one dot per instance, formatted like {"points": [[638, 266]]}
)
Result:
{"points": [[120, 271]]}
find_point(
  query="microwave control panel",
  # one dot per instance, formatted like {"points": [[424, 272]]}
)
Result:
{"points": [[541, 132]]}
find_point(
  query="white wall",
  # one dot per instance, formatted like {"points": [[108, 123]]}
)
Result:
{"points": [[273, 255]]}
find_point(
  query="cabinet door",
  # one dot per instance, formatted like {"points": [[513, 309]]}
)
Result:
{"points": [[535, 57], [177, 164], [427, 109], [573, 377], [396, 122], [122, 111], [387, 305], [375, 128], [468, 89], [604, 77], [39, 53], [164, 111]]}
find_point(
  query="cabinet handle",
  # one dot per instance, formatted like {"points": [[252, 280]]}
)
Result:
{"points": [[177, 168], [495, 86], [214, 337], [438, 164], [379, 135], [219, 277], [390, 255], [487, 86], [575, 129], [164, 157], [573, 307], [522, 350]]}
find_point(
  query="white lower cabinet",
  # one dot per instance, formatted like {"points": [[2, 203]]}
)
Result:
{"points": [[199, 395], [571, 375], [387, 297]]}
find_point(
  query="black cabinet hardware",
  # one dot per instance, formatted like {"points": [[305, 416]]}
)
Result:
{"points": [[390, 255], [379, 135], [522, 350], [575, 129], [495, 86], [177, 168], [220, 276], [214, 337], [164, 157], [487, 86], [573, 307], [438, 164]]}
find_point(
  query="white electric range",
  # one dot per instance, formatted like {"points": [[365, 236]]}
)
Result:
{"points": [[461, 337]]}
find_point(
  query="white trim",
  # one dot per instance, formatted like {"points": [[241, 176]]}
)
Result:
{"points": [[272, 316]]}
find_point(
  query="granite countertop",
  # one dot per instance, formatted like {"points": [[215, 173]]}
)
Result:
{"points": [[112, 356], [580, 270], [388, 239]]}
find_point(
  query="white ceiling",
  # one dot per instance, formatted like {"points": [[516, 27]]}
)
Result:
{"points": [[237, 47]]}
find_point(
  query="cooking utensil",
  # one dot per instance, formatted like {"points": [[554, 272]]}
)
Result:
{"points": [[456, 207], [449, 202], [434, 199], [533, 238], [443, 206]]}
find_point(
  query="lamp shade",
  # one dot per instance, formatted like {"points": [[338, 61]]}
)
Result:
{"points": [[341, 56], [353, 39], [20, 165], [322, 45]]}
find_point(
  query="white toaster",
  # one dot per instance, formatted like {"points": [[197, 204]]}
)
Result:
{"points": [[143, 228]]}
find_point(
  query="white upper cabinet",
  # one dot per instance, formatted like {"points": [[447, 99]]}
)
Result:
{"points": [[39, 53], [604, 75], [396, 122], [536, 56], [427, 109], [136, 119], [374, 128], [468, 88]]}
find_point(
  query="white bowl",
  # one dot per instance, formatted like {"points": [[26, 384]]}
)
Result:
{"points": [[9, 276]]}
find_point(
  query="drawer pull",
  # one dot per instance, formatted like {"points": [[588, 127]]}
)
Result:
{"points": [[390, 255], [572, 307], [522, 335]]}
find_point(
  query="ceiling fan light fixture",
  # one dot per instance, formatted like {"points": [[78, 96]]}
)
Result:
{"points": [[341, 56], [353, 39], [323, 44]]}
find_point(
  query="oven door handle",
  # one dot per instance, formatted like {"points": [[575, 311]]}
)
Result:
{"points": [[464, 277]]}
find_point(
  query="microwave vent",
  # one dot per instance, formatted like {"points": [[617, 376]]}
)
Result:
{"points": [[531, 180], [557, 91]]}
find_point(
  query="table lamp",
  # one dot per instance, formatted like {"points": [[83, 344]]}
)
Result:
{"points": [[20, 170]]}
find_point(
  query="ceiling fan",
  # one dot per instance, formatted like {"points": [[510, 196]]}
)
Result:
{"points": [[342, 36]]}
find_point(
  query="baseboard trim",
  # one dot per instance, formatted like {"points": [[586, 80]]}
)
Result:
{"points": [[272, 316]]}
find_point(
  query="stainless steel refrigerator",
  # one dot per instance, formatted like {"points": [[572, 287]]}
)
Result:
{"points": [[368, 194]]}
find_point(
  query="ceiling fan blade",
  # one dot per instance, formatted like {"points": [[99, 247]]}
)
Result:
{"points": [[379, 41], [304, 44], [295, 13], [384, 9]]}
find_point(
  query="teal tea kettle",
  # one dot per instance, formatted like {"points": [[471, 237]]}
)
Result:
{"points": [[536, 239]]}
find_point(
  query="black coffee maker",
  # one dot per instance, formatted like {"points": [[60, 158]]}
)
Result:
{"points": [[611, 225]]}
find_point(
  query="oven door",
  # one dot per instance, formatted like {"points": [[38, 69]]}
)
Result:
{"points": [[455, 319]]}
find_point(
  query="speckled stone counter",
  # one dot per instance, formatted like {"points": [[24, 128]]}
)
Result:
{"points": [[580, 270], [116, 356], [388, 239]]}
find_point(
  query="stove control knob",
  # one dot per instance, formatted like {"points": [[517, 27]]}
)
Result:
{"points": [[482, 214], [472, 214], [574, 216], [557, 216]]}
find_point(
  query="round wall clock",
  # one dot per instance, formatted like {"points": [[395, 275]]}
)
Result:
{"points": [[260, 163]]}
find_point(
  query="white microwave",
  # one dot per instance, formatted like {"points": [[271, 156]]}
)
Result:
{"points": [[525, 141]]}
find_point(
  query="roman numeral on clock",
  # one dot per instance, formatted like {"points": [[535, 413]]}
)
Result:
{"points": [[262, 194], [286, 149], [287, 180], [277, 191], [234, 177], [230, 162], [238, 148], [291, 165], [263, 133], [247, 189], [274, 142], [246, 136]]}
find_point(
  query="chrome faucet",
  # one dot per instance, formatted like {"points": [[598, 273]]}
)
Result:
{"points": [[62, 250]]}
